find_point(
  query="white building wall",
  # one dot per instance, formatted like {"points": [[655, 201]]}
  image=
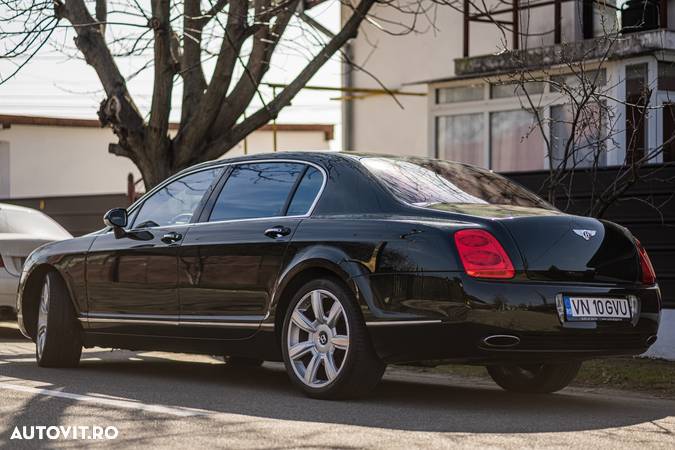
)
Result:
{"points": [[379, 124], [63, 161]]}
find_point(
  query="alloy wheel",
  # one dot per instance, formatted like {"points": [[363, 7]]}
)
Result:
{"points": [[43, 313], [318, 338]]}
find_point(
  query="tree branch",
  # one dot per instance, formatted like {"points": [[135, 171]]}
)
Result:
{"points": [[102, 14], [118, 110], [265, 42], [193, 132], [232, 137], [165, 65], [194, 82]]}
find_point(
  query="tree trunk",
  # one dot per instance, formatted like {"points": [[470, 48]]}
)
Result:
{"points": [[154, 164]]}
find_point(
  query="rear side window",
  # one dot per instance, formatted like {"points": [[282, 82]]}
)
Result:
{"points": [[256, 190], [304, 196]]}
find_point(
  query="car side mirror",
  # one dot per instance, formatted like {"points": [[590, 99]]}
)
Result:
{"points": [[117, 218]]}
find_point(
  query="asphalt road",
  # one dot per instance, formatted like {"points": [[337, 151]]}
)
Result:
{"points": [[165, 400]]}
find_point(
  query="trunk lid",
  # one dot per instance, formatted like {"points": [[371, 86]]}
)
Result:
{"points": [[562, 247], [575, 248], [15, 248]]}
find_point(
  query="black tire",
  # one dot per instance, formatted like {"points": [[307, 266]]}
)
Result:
{"points": [[62, 346], [360, 368], [241, 362], [535, 378]]}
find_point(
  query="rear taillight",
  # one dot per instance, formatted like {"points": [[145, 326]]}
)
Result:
{"points": [[482, 255], [2, 263], [648, 274]]}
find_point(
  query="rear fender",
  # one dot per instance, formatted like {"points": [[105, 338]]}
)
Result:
{"points": [[327, 259]]}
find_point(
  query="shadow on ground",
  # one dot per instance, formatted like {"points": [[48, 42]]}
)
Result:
{"points": [[266, 392]]}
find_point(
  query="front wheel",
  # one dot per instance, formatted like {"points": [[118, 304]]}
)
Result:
{"points": [[326, 347], [535, 378], [58, 341]]}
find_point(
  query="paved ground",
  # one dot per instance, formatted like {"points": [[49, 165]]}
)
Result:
{"points": [[182, 401]]}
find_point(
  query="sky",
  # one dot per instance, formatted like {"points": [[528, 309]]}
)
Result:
{"points": [[56, 85]]}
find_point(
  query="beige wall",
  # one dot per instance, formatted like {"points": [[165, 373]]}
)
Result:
{"points": [[379, 124], [61, 161]]}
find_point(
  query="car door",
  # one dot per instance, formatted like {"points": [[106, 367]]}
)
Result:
{"points": [[229, 262], [132, 281]]}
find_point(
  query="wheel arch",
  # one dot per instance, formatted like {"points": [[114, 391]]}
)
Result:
{"points": [[347, 273]]}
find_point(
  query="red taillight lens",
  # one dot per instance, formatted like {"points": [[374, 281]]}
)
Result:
{"points": [[2, 263], [648, 274], [482, 255]]}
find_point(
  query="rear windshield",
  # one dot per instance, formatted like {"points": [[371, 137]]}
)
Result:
{"points": [[30, 222], [424, 182]]}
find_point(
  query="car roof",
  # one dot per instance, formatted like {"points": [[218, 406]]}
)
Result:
{"points": [[305, 155]]}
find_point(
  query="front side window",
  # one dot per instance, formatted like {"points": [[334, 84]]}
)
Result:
{"points": [[425, 182], [256, 190], [176, 202]]}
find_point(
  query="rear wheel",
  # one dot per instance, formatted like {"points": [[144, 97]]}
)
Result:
{"points": [[535, 378], [326, 347], [58, 340]]}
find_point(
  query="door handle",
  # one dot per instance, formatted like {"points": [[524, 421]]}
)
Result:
{"points": [[171, 237], [277, 232]]}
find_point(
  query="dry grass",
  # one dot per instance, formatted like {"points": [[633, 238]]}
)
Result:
{"points": [[651, 376]]}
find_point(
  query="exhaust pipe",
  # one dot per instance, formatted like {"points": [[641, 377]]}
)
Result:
{"points": [[651, 339], [501, 341]]}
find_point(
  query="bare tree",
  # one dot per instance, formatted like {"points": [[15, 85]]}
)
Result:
{"points": [[237, 37]]}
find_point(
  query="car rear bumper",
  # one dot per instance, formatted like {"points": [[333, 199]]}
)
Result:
{"points": [[8, 287], [525, 314], [466, 343]]}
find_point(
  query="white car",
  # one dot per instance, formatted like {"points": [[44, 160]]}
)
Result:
{"points": [[22, 230]]}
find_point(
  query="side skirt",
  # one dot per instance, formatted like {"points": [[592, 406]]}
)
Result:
{"points": [[261, 345]]}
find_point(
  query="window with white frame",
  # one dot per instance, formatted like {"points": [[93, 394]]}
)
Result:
{"points": [[460, 138], [666, 101], [5, 186], [506, 126]]}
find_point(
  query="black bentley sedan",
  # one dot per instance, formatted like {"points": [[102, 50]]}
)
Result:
{"points": [[340, 263]]}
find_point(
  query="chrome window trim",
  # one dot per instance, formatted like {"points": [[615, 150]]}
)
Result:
{"points": [[132, 209], [128, 321], [176, 321]]}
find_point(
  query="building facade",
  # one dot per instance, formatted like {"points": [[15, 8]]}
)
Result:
{"points": [[471, 111]]}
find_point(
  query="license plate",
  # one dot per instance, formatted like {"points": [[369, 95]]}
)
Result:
{"points": [[596, 308]]}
